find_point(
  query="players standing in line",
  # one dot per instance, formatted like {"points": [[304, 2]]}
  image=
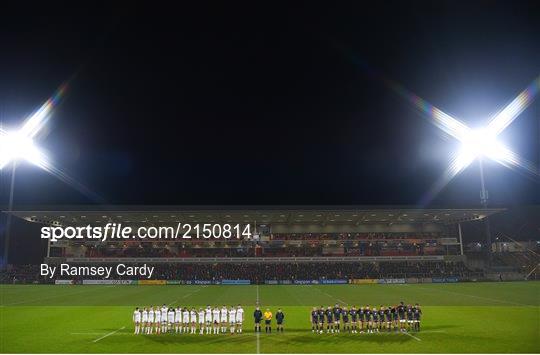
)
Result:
{"points": [[268, 321], [367, 319], [388, 315], [232, 319], [382, 320], [137, 320], [409, 317], [354, 319], [144, 320], [223, 320], [280, 317], [346, 319], [314, 317], [417, 315], [157, 320], [150, 323], [164, 318], [239, 319], [193, 319], [321, 314], [185, 320], [170, 320], [375, 320], [200, 318], [178, 319], [208, 319], [257, 317], [329, 320], [395, 319], [361, 319], [337, 317], [216, 319], [401, 316]]}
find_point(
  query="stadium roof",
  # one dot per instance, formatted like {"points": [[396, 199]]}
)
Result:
{"points": [[164, 215]]}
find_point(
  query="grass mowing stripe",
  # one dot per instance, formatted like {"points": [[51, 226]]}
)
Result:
{"points": [[108, 334], [478, 297]]}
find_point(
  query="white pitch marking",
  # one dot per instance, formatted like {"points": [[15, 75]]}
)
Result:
{"points": [[412, 336], [108, 334]]}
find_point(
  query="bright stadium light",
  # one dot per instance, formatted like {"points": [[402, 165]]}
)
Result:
{"points": [[476, 144], [17, 146]]}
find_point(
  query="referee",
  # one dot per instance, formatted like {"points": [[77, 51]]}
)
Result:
{"points": [[268, 321]]}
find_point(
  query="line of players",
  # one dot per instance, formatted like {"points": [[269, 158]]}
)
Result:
{"points": [[366, 319], [150, 320]]}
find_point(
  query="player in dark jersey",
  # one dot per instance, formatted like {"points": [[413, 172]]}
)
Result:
{"points": [[337, 317], [329, 320], [367, 319], [314, 320], [401, 316], [321, 314], [346, 319], [417, 314], [395, 320], [354, 319], [374, 320], [381, 318], [410, 313], [388, 316]]}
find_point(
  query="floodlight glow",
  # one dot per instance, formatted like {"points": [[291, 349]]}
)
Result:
{"points": [[15, 146], [477, 143]]}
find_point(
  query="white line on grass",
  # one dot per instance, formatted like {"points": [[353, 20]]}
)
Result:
{"points": [[329, 295], [257, 333], [108, 334], [412, 336]]}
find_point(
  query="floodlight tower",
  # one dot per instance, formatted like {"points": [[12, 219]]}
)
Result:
{"points": [[484, 197]]}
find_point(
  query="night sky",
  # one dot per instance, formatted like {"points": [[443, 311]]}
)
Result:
{"points": [[269, 103]]}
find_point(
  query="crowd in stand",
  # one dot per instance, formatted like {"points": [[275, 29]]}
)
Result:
{"points": [[259, 272]]}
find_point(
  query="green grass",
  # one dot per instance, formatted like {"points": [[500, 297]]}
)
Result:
{"points": [[464, 317]]}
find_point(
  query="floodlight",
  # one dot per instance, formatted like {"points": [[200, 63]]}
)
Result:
{"points": [[17, 146]]}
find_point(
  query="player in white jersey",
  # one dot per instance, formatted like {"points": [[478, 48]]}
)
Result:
{"points": [[239, 318], [208, 318], [224, 312], [215, 319], [137, 320], [164, 318], [157, 320], [185, 319], [193, 320], [170, 319], [232, 319], [200, 317], [144, 320], [178, 320], [150, 322]]}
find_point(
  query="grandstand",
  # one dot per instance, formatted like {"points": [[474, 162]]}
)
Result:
{"points": [[288, 245]]}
